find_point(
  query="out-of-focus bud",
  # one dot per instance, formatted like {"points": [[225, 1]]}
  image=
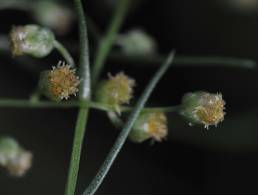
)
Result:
{"points": [[115, 91], [59, 83], [31, 40], [149, 125], [13, 157], [53, 15], [137, 43], [245, 6], [203, 108]]}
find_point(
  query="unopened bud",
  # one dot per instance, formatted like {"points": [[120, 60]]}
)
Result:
{"points": [[13, 157], [137, 43], [31, 40], [53, 15]]}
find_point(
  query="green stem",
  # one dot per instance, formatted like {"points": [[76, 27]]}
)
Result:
{"points": [[85, 93], [108, 40], [184, 60], [12, 103], [23, 5], [98, 179], [76, 151], [64, 52], [154, 109]]}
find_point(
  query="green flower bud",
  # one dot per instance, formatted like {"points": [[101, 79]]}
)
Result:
{"points": [[59, 83], [8, 149], [149, 126], [115, 91], [13, 157], [203, 108], [54, 15], [31, 40], [137, 43]]}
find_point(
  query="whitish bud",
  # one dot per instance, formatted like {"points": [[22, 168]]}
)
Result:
{"points": [[149, 125], [31, 40], [203, 108], [59, 83], [13, 157], [115, 91], [53, 15], [136, 42]]}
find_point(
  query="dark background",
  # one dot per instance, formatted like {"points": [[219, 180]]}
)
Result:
{"points": [[192, 160]]}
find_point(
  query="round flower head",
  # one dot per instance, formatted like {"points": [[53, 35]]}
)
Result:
{"points": [[149, 125], [203, 108], [59, 83], [115, 91], [31, 40], [13, 157]]}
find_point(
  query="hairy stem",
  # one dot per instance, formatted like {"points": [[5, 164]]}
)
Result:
{"points": [[76, 151], [98, 179], [108, 39], [85, 93], [63, 51]]}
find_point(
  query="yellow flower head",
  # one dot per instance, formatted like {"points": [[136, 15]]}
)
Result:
{"points": [[203, 108], [211, 109], [117, 90], [150, 125], [60, 83]]}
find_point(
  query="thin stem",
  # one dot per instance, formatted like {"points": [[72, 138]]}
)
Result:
{"points": [[23, 5], [10, 103], [13, 103], [85, 93], [154, 109], [184, 60], [108, 40], [76, 151], [96, 182], [64, 52]]}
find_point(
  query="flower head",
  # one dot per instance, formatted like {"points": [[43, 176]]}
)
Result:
{"points": [[117, 90], [59, 83], [31, 40], [203, 108], [150, 125]]}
